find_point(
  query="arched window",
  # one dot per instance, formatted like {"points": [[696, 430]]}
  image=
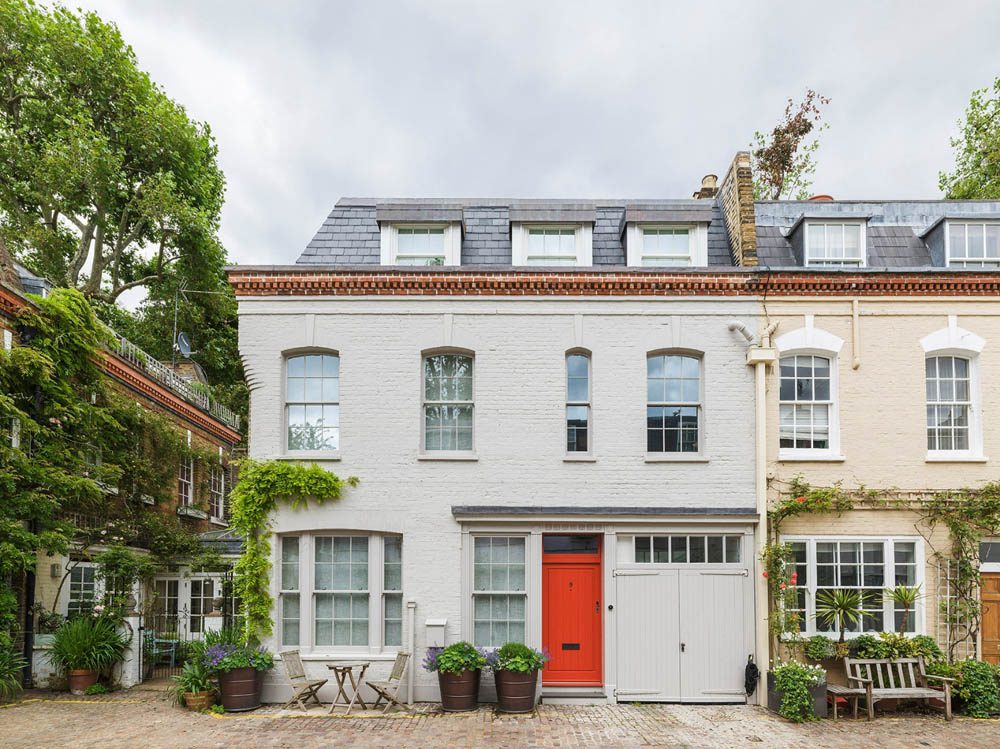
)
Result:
{"points": [[673, 403], [949, 403], [312, 402], [447, 402], [577, 402]]}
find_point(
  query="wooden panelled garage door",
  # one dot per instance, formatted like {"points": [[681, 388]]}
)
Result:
{"points": [[683, 635]]}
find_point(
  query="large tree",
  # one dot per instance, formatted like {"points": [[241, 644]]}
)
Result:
{"points": [[977, 150], [785, 159], [108, 184]]}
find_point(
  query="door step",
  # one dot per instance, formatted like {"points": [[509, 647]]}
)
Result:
{"points": [[574, 696]]}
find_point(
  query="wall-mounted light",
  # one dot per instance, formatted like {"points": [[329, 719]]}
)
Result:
{"points": [[55, 570]]}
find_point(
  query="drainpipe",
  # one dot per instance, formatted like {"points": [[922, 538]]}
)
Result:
{"points": [[760, 356], [411, 618]]}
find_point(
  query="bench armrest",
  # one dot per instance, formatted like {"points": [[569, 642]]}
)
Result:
{"points": [[862, 679], [935, 677]]}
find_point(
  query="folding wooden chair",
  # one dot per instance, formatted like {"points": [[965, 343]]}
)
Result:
{"points": [[303, 689], [388, 689]]}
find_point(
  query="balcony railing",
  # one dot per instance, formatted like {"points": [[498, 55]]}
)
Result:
{"points": [[170, 379]]}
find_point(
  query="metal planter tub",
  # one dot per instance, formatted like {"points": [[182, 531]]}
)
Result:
{"points": [[516, 690], [459, 692]]}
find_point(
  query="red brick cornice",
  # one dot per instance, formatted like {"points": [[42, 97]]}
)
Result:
{"points": [[249, 282]]}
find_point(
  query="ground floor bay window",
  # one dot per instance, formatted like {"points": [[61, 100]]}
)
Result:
{"points": [[340, 592], [868, 565]]}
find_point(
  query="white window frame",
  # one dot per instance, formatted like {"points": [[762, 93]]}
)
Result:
{"points": [[992, 567], [918, 614], [956, 341], [217, 493], [285, 402], [810, 340], [584, 233], [288, 592], [586, 403], [185, 485], [389, 241], [687, 536], [424, 403], [697, 244], [825, 262], [202, 602], [470, 626], [982, 263], [97, 586], [306, 593], [699, 407]]}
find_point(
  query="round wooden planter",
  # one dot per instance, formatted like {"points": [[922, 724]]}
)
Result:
{"points": [[516, 690], [459, 692], [80, 679], [240, 689], [199, 700]]}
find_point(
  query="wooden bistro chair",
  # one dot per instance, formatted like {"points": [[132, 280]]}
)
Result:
{"points": [[388, 689], [303, 689]]}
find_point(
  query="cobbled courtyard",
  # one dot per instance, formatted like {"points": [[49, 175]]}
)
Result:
{"points": [[145, 718]]}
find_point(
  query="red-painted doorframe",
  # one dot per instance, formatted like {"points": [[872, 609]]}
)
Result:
{"points": [[575, 560]]}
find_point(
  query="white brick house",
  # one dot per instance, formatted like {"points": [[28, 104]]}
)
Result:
{"points": [[541, 457]]}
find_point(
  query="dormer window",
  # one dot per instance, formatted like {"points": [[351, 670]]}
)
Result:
{"points": [[421, 244], [667, 245], [551, 244], [973, 245], [839, 243]]}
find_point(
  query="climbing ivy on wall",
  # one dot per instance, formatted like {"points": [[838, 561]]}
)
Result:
{"points": [[256, 495], [970, 515]]}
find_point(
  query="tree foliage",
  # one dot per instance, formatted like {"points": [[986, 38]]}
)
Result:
{"points": [[977, 151], [784, 161]]}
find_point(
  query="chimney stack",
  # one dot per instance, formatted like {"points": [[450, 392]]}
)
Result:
{"points": [[736, 196], [708, 187]]}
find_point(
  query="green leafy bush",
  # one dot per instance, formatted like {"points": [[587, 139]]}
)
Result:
{"points": [[11, 666], [792, 680], [454, 659], [515, 656], [193, 678], [819, 648], [94, 689], [927, 647], [978, 688], [87, 643]]}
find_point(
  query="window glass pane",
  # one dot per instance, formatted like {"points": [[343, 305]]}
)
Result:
{"points": [[290, 619], [560, 544], [661, 550], [678, 549], [642, 549], [696, 549], [732, 549], [290, 563], [716, 553], [989, 552]]}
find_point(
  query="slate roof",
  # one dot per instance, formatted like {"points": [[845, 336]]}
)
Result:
{"points": [[899, 233], [350, 234]]}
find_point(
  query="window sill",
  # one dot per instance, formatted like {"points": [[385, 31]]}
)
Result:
{"points": [[955, 458], [449, 456], [219, 522], [676, 458], [192, 512], [348, 655], [791, 457], [308, 455], [581, 458]]}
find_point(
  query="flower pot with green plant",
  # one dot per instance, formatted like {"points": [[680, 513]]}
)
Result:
{"points": [[458, 668], [85, 647], [194, 686], [239, 667], [515, 669], [797, 692]]}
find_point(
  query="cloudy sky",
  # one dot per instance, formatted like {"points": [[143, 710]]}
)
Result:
{"points": [[312, 101]]}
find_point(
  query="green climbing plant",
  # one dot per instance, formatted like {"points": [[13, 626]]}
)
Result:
{"points": [[261, 486]]}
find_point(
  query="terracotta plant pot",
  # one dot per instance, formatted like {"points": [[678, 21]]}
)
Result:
{"points": [[199, 700], [516, 690], [240, 689], [459, 692], [80, 679]]}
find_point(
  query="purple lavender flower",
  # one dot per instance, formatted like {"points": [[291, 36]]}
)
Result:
{"points": [[430, 659]]}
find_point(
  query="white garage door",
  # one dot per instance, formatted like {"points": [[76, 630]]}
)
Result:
{"points": [[683, 635]]}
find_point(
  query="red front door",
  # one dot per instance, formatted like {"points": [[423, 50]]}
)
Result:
{"points": [[571, 610]]}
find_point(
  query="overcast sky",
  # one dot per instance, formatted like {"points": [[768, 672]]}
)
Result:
{"points": [[312, 101]]}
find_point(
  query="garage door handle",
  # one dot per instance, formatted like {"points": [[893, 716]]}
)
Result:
{"points": [[682, 647]]}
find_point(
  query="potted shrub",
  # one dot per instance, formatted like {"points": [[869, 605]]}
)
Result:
{"points": [[797, 692], [458, 668], [240, 669], [84, 647], [515, 669], [193, 686]]}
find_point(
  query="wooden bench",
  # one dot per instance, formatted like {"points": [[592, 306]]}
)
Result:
{"points": [[896, 679], [836, 691]]}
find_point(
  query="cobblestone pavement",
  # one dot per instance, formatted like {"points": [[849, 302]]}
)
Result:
{"points": [[143, 719]]}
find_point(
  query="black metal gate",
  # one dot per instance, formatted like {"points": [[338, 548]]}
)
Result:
{"points": [[166, 644]]}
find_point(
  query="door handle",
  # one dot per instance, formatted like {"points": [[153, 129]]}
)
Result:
{"points": [[597, 607], [683, 646]]}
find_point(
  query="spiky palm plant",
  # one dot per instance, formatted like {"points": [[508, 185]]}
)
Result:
{"points": [[905, 596], [838, 608]]}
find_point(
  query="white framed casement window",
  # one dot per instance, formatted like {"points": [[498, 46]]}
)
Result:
{"points": [[989, 555], [166, 605], [835, 243], [499, 590], [217, 493], [549, 245], [973, 245], [666, 245], [673, 403], [340, 592], [202, 595], [312, 403], [868, 565], [185, 482], [687, 549], [448, 404], [578, 432], [421, 244], [82, 589]]}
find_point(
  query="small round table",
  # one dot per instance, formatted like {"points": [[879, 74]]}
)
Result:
{"points": [[341, 673]]}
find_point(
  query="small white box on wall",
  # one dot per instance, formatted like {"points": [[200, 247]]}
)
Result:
{"points": [[435, 632]]}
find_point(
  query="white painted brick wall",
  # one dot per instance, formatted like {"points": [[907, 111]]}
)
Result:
{"points": [[520, 347]]}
